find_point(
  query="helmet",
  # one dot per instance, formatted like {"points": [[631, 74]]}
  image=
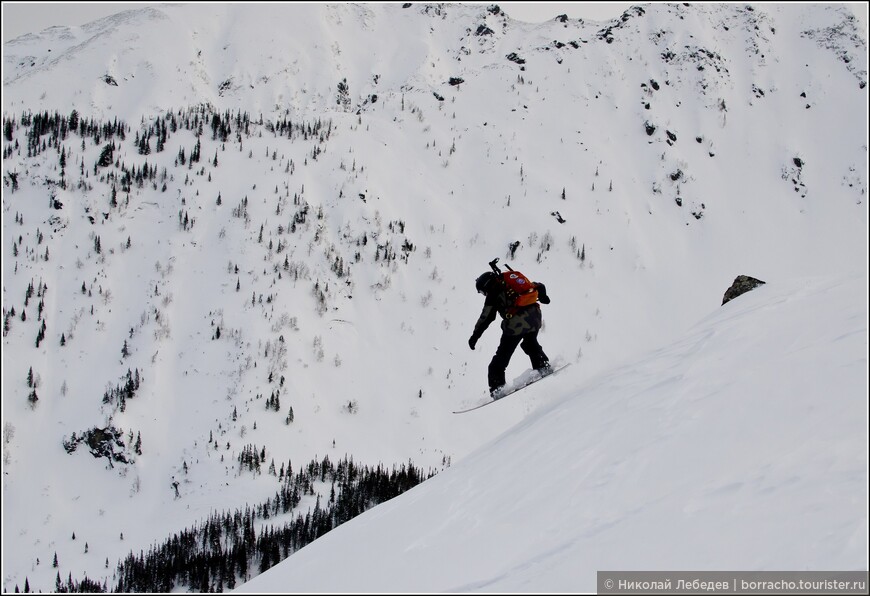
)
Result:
{"points": [[484, 280]]}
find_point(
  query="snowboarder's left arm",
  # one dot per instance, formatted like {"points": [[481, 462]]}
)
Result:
{"points": [[542, 293]]}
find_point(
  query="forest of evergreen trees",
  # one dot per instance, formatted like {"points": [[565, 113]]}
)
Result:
{"points": [[228, 548], [59, 127]]}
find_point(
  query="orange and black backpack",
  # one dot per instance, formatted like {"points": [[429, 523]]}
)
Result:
{"points": [[519, 290]]}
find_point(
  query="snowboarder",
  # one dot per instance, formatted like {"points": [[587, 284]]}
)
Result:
{"points": [[520, 324]]}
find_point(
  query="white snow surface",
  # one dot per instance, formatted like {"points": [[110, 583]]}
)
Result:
{"points": [[739, 446], [684, 435]]}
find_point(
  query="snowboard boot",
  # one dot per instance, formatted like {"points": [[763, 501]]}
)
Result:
{"points": [[497, 392]]}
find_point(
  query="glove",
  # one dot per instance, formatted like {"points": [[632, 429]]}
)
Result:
{"points": [[472, 341]]}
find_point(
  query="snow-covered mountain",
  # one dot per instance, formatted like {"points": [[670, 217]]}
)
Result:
{"points": [[695, 456], [263, 209]]}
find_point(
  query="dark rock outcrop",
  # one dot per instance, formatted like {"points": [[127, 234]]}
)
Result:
{"points": [[741, 285], [101, 442]]}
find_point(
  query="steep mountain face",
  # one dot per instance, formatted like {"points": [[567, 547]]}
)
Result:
{"points": [[232, 228], [705, 436]]}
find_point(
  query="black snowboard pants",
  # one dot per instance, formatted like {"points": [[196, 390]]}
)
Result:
{"points": [[529, 344]]}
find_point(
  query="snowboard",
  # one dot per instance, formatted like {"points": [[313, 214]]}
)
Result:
{"points": [[517, 385]]}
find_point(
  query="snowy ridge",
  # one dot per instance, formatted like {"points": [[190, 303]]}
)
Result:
{"points": [[740, 446], [270, 58]]}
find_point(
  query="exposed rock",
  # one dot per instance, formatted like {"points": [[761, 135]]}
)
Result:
{"points": [[102, 442], [741, 285], [225, 86]]}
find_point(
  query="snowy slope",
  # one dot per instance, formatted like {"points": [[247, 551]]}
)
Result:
{"points": [[692, 144], [743, 445]]}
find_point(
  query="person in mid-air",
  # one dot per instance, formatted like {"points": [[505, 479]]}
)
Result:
{"points": [[515, 298]]}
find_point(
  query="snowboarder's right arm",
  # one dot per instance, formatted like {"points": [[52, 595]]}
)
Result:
{"points": [[487, 316]]}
